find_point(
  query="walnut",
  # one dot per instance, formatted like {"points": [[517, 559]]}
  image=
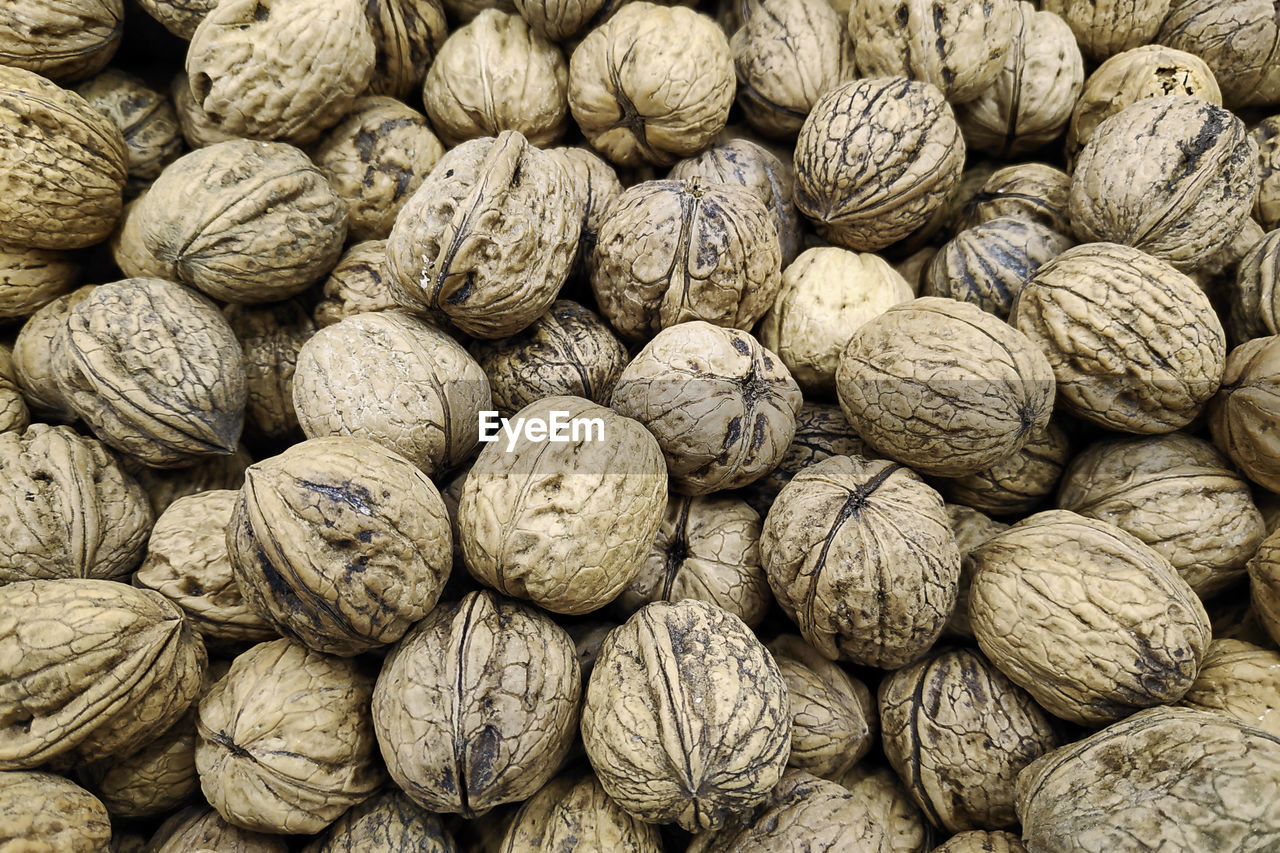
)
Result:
{"points": [[596, 185], [891, 805], [573, 812], [1173, 176], [943, 386], [199, 828], [408, 35], [187, 561], [40, 811], [633, 116], [567, 351], [271, 337], [686, 717], [1107, 27], [722, 407], [787, 53], [981, 841], [1033, 191], [129, 251], [64, 40], [1020, 482], [375, 158], [386, 823], [146, 119], [1218, 275], [180, 17], [356, 284], [280, 69], [164, 486], [477, 705], [1242, 680], [875, 159], [488, 239], [466, 10], [1267, 209], [826, 294], [958, 732], [1264, 584], [1254, 297], [821, 432], [913, 265], [340, 544], [91, 668], [1243, 414], [1124, 782], [13, 408], [198, 127], [1134, 344], [1086, 618], [957, 46], [860, 556], [971, 529], [64, 166], [1177, 494], [562, 20], [155, 371], [1238, 39], [243, 221], [286, 742], [32, 278]]}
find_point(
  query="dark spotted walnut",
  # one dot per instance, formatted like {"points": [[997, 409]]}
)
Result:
{"points": [[959, 732], [1264, 585], [686, 718], [1241, 680], [971, 529], [164, 486], [572, 812], [821, 432], [1107, 27], [14, 415], [1238, 39], [200, 828], [1021, 481], [722, 407], [1104, 793], [1174, 176], [1086, 618], [355, 285], [891, 805], [271, 337], [408, 35], [489, 237], [65, 40], [1243, 415], [860, 555], [477, 705], [32, 278], [634, 116], [1033, 191], [152, 136], [389, 822], [875, 159], [1254, 296], [981, 841], [43, 812]]}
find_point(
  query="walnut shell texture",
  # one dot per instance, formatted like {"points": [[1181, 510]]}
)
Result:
{"points": [[1108, 27], [32, 278], [408, 35], [574, 811], [14, 415], [1242, 680], [385, 823], [356, 284], [1264, 585], [822, 431], [1034, 191], [64, 40], [1242, 416], [1019, 483], [1238, 39], [147, 121], [271, 337], [40, 811], [199, 828]]}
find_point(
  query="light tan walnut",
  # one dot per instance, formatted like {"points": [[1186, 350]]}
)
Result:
{"points": [[1107, 27], [408, 35], [65, 40], [32, 278], [356, 284], [41, 811], [1242, 680], [1238, 39], [152, 135], [573, 811]]}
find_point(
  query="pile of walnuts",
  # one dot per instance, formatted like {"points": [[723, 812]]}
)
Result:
{"points": [[562, 426]]}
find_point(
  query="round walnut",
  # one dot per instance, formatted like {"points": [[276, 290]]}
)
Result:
{"points": [[477, 705], [187, 561], [1149, 71], [1174, 176], [1033, 191], [1123, 783], [283, 69], [670, 252], [389, 822], [40, 811], [1237, 39], [357, 284], [1030, 100], [1267, 209], [146, 119], [943, 386], [199, 828], [959, 732], [875, 159], [1177, 494], [686, 717], [67, 508], [271, 337], [1107, 27], [567, 351], [497, 74], [821, 432], [1134, 344], [1242, 680], [32, 278], [198, 128], [981, 841], [1021, 481], [1086, 618], [340, 544], [1254, 296], [787, 53], [826, 294], [489, 237], [375, 159], [1264, 585], [394, 379], [64, 40], [860, 555], [154, 370], [881, 789], [561, 20], [971, 529], [572, 812], [596, 185], [706, 548], [63, 163], [286, 740], [164, 486], [408, 35], [13, 408], [128, 250], [243, 221], [722, 407], [1243, 415], [90, 668], [629, 113]]}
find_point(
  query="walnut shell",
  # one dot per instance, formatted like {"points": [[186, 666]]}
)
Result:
{"points": [[1107, 27], [13, 408], [1242, 680], [891, 806], [787, 53], [821, 432], [488, 239], [1033, 191], [1086, 618], [1238, 39], [1267, 209], [187, 561], [860, 556], [722, 407], [596, 185], [199, 828], [386, 823], [943, 386], [1173, 176], [180, 17], [477, 705], [1101, 794], [408, 35], [1264, 585], [826, 294], [1134, 344], [958, 732], [65, 40], [573, 812], [1019, 483], [243, 221], [286, 740], [628, 113], [562, 20], [971, 529], [567, 351], [875, 159], [394, 379], [32, 278], [340, 544], [155, 371], [271, 337], [164, 486], [198, 127], [40, 811], [355, 285], [1242, 415], [286, 70], [981, 841], [152, 135], [1254, 297], [63, 165], [375, 158], [129, 251], [686, 717]]}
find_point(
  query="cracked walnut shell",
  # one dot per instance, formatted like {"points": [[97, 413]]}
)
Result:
{"points": [[1107, 27], [1238, 39]]}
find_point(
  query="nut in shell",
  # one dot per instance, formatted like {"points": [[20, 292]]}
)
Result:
{"points": [[822, 431], [62, 39], [1108, 27], [1019, 483], [356, 284], [1036, 192], [388, 822], [32, 278], [1237, 39], [152, 135], [271, 337], [43, 811], [1242, 680], [408, 35], [573, 811], [14, 414]]}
